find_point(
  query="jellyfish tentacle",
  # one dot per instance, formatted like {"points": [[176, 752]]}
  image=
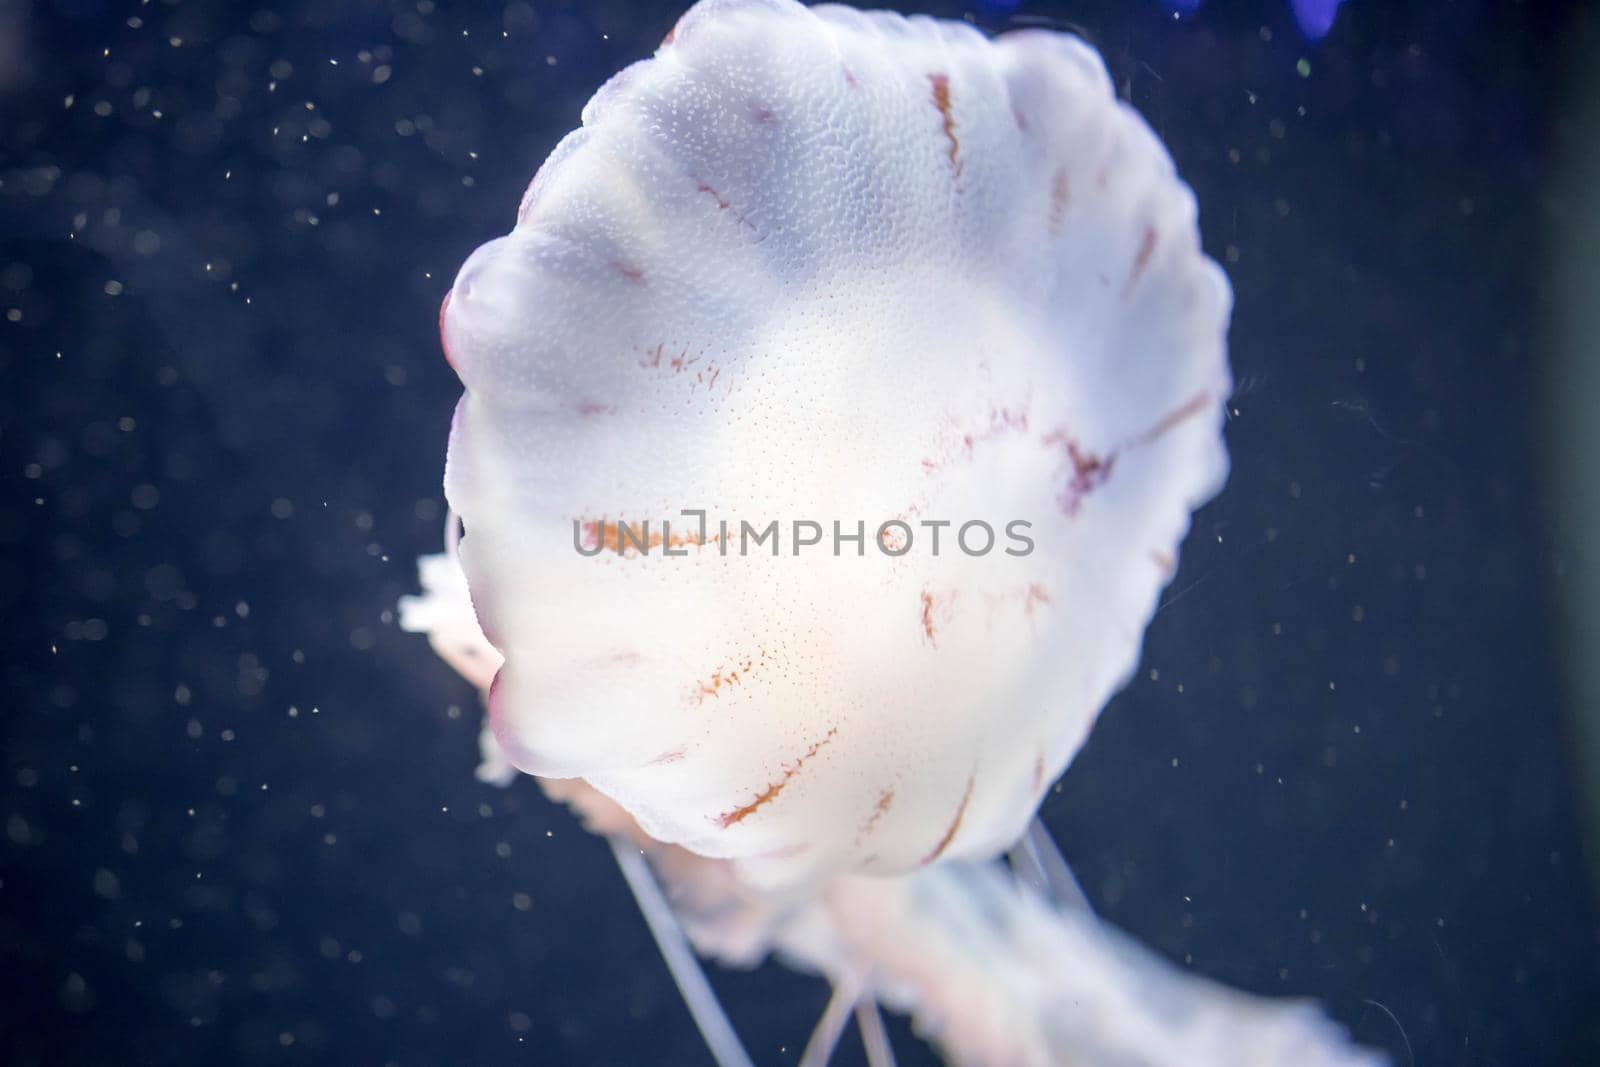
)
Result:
{"points": [[1037, 862], [443, 611], [874, 1036], [701, 999], [830, 1027], [991, 973]]}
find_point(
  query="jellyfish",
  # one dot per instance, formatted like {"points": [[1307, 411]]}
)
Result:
{"points": [[832, 418], [1314, 18]]}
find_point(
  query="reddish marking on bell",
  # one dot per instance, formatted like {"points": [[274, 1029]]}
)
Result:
{"points": [[1035, 596], [1021, 119], [681, 362], [726, 676], [608, 535], [1141, 260], [1003, 419], [704, 188], [761, 113], [1060, 195], [589, 409], [672, 756], [723, 204], [849, 77], [941, 100], [672, 35], [771, 792], [1038, 772], [955, 824], [885, 801], [1089, 471], [444, 342], [1163, 560], [630, 272], [714, 686], [927, 617], [1188, 410]]}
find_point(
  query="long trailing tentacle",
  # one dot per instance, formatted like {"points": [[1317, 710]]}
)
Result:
{"points": [[1038, 864], [698, 995], [830, 1027], [993, 973], [874, 1036]]}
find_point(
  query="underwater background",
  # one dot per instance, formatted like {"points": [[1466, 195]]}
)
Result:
{"points": [[240, 819]]}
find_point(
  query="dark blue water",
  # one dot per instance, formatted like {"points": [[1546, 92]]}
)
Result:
{"points": [[240, 819]]}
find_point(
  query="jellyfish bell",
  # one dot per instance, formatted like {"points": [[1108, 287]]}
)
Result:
{"points": [[813, 300], [819, 265]]}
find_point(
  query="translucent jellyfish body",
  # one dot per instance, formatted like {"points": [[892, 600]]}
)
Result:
{"points": [[820, 266]]}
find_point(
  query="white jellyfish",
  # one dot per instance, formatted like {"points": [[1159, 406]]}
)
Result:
{"points": [[924, 317]]}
